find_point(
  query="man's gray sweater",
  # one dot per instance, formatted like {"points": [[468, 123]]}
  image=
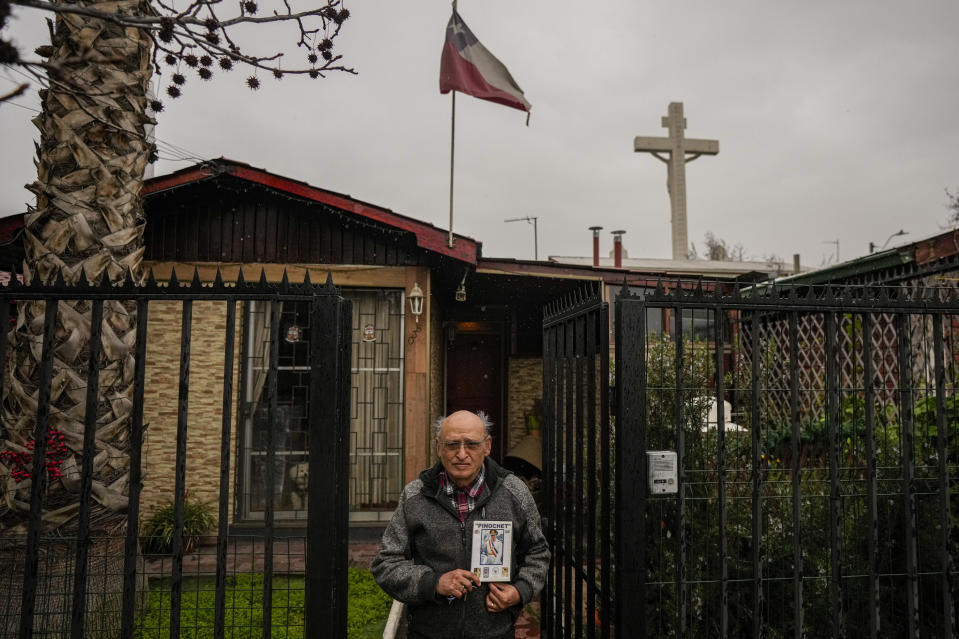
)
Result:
{"points": [[426, 539]]}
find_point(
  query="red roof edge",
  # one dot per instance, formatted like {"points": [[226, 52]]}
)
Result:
{"points": [[936, 248], [427, 236], [9, 227]]}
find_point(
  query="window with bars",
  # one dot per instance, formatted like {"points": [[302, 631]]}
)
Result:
{"points": [[376, 407]]}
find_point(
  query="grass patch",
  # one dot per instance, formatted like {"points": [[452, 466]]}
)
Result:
{"points": [[366, 615]]}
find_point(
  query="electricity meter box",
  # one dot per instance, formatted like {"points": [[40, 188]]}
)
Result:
{"points": [[663, 472]]}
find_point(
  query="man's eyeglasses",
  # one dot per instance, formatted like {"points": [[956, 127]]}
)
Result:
{"points": [[470, 445]]}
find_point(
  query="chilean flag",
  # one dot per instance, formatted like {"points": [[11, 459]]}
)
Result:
{"points": [[468, 67]]}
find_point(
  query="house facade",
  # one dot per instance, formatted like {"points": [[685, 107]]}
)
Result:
{"points": [[475, 343]]}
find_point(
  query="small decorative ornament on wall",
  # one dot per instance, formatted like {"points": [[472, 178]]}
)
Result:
{"points": [[369, 333], [293, 334]]}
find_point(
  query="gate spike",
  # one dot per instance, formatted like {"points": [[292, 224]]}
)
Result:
{"points": [[852, 294], [285, 282], [659, 288], [240, 282], [328, 287], [699, 294], [104, 279], [737, 292], [14, 280], [307, 283], [151, 278], [174, 282], [196, 284], [58, 281], [218, 279], [263, 281], [128, 279], [83, 281]]}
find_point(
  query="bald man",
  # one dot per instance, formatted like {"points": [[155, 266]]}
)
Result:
{"points": [[424, 558]]}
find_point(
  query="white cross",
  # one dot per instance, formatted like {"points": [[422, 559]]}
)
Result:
{"points": [[676, 146]]}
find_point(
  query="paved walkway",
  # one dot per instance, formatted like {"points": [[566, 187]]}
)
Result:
{"points": [[289, 556]]}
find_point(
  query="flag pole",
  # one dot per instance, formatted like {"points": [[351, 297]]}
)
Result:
{"points": [[451, 242]]}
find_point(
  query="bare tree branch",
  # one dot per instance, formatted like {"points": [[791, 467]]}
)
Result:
{"points": [[147, 22], [195, 37], [19, 90]]}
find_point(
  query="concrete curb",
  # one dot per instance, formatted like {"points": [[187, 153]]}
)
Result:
{"points": [[394, 620]]}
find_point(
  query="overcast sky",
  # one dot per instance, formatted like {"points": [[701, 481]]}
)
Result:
{"points": [[836, 121]]}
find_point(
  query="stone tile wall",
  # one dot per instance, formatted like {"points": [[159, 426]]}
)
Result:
{"points": [[205, 402], [525, 387]]}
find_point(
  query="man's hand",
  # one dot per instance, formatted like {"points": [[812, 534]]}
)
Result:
{"points": [[501, 597], [456, 583]]}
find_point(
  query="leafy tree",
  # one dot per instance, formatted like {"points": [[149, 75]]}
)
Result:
{"points": [[92, 153], [717, 249], [953, 207]]}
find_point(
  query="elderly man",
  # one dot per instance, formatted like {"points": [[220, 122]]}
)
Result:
{"points": [[424, 559]]}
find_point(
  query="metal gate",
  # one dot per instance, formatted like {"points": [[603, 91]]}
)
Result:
{"points": [[82, 580], [578, 470], [816, 435]]}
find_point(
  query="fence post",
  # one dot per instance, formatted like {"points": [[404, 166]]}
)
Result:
{"points": [[328, 504], [630, 507]]}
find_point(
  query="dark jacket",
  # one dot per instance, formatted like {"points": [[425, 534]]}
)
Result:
{"points": [[426, 539]]}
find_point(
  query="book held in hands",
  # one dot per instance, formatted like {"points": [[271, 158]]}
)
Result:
{"points": [[492, 550]]}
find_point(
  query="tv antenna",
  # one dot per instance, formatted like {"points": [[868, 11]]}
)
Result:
{"points": [[531, 220]]}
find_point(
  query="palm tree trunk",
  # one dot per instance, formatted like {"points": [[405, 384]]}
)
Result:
{"points": [[88, 219]]}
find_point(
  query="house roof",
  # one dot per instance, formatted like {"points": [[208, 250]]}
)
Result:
{"points": [[687, 268], [649, 277], [427, 236], [932, 254]]}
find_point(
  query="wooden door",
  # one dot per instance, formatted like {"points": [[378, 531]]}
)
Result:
{"points": [[474, 380]]}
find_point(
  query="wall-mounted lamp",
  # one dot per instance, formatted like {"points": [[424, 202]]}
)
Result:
{"points": [[461, 291], [416, 301]]}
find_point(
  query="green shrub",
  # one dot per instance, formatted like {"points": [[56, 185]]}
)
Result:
{"points": [[156, 535]]}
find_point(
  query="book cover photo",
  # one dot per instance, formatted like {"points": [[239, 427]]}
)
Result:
{"points": [[492, 550]]}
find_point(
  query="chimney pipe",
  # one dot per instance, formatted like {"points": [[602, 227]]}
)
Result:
{"points": [[796, 263], [618, 249], [596, 230]]}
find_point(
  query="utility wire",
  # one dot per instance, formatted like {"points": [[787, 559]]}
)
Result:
{"points": [[171, 152]]}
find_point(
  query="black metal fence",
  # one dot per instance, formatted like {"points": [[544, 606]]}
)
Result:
{"points": [[809, 500], [578, 468], [82, 578]]}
